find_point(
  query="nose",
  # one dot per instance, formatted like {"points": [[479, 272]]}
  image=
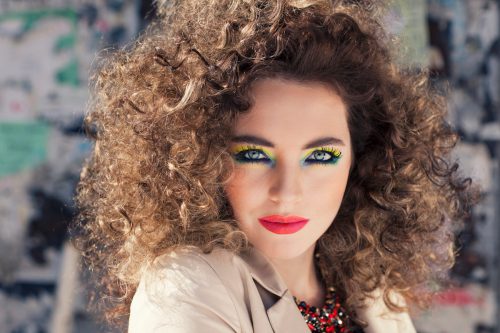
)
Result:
{"points": [[286, 187]]}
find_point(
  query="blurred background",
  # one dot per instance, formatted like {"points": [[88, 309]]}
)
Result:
{"points": [[47, 48]]}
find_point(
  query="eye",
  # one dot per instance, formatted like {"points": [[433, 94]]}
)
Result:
{"points": [[324, 156], [253, 155]]}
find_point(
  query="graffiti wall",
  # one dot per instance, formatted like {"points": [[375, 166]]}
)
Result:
{"points": [[47, 48]]}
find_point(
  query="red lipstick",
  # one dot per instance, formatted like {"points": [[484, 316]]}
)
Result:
{"points": [[283, 224]]}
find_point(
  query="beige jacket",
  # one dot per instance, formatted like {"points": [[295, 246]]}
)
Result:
{"points": [[190, 292]]}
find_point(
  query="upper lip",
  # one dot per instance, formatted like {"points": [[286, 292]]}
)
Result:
{"points": [[283, 219]]}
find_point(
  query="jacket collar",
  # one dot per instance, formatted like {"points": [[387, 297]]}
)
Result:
{"points": [[283, 315], [263, 271]]}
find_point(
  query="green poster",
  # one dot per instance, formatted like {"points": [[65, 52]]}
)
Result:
{"points": [[22, 146]]}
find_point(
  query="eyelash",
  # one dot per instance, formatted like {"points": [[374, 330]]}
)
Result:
{"points": [[241, 151], [239, 155], [335, 155]]}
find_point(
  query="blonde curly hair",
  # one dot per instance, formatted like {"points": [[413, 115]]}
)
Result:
{"points": [[162, 110]]}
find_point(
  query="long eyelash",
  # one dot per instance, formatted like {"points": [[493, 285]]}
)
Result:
{"points": [[336, 155], [335, 152], [243, 148]]}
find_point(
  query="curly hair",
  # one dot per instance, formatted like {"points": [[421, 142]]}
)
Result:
{"points": [[161, 111]]}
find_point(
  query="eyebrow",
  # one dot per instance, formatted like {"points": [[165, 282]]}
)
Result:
{"points": [[263, 142]]}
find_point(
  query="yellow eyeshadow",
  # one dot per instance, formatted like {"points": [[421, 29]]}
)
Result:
{"points": [[240, 148], [335, 152]]}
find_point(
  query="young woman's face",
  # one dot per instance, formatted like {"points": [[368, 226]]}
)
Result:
{"points": [[292, 152]]}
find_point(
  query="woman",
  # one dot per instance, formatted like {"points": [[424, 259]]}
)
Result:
{"points": [[266, 166]]}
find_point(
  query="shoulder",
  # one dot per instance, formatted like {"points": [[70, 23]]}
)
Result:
{"points": [[183, 290], [190, 262], [192, 270]]}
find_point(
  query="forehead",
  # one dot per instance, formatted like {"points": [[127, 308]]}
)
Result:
{"points": [[292, 112]]}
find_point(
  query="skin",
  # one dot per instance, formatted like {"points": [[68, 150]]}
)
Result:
{"points": [[286, 178]]}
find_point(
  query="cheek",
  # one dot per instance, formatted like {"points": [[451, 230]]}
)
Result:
{"points": [[326, 186], [244, 190]]}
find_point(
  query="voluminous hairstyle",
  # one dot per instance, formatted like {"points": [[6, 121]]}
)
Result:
{"points": [[162, 111]]}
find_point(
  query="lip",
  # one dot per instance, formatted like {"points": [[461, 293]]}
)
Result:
{"points": [[279, 224]]}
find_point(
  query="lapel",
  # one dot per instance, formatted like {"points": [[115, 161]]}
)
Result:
{"points": [[282, 312], [284, 315]]}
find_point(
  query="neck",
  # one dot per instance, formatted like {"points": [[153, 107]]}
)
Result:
{"points": [[299, 274]]}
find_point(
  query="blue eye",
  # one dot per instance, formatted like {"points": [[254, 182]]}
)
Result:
{"points": [[323, 156], [252, 156]]}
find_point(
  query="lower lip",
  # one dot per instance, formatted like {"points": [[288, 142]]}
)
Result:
{"points": [[283, 228]]}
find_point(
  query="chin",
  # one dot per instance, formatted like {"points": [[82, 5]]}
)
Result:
{"points": [[282, 250]]}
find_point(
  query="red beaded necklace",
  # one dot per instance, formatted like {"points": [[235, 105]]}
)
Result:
{"points": [[330, 318]]}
